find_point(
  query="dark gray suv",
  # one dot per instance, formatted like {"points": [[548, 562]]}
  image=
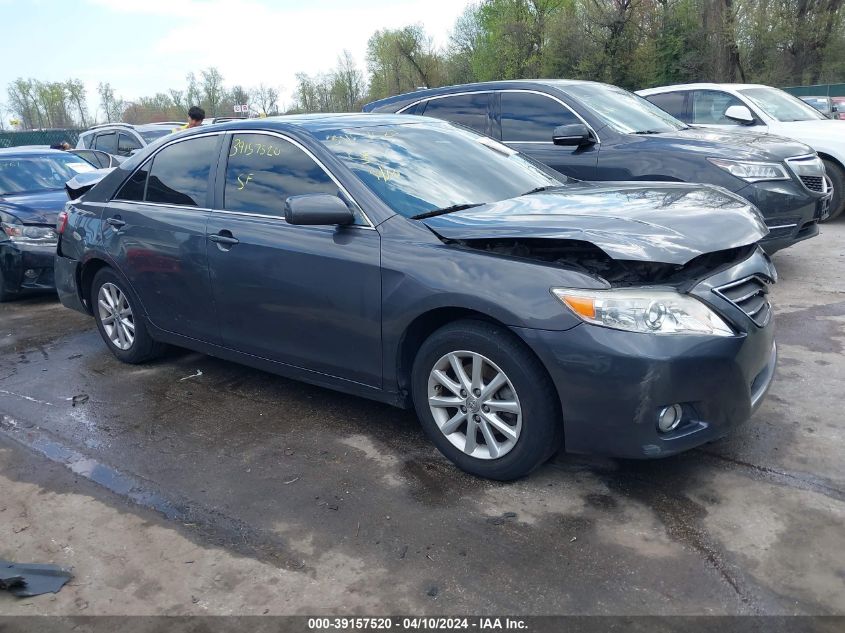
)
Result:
{"points": [[594, 131], [417, 263]]}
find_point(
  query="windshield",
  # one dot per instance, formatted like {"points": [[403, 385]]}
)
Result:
{"points": [[624, 111], [781, 105], [38, 173], [150, 135], [417, 168]]}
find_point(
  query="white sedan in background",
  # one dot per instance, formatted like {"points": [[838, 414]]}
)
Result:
{"points": [[763, 109]]}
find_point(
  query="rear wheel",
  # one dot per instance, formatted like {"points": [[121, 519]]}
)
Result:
{"points": [[485, 400], [837, 177], [119, 321]]}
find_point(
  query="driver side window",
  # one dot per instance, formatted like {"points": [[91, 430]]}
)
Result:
{"points": [[530, 117], [709, 106], [262, 171]]}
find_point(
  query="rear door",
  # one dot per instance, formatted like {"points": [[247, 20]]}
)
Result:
{"points": [[473, 110], [156, 234], [308, 296], [526, 122]]}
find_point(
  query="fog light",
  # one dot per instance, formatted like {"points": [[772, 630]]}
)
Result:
{"points": [[669, 418], [30, 273]]}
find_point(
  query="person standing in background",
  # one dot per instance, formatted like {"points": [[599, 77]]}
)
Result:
{"points": [[195, 118]]}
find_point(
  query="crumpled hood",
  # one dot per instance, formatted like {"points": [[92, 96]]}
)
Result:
{"points": [[742, 143], [656, 222], [39, 207]]}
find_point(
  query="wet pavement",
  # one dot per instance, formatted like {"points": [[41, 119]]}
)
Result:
{"points": [[346, 497]]}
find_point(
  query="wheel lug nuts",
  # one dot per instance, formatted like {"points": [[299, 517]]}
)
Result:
{"points": [[463, 409], [477, 392], [486, 409], [476, 418], [463, 393]]}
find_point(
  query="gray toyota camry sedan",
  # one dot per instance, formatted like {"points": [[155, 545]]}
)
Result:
{"points": [[421, 264]]}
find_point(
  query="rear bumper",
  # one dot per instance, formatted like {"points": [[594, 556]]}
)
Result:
{"points": [[27, 267], [67, 283]]}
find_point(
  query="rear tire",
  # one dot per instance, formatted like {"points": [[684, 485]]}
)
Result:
{"points": [[837, 177], [120, 321], [506, 422]]}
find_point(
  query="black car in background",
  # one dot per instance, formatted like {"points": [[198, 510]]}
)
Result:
{"points": [[421, 264], [32, 192], [594, 131]]}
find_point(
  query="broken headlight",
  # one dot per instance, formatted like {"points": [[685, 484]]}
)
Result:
{"points": [[647, 311], [29, 234]]}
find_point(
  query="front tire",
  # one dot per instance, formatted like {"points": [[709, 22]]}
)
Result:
{"points": [[837, 177], [120, 321], [485, 400]]}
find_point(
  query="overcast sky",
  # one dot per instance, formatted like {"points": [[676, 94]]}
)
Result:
{"points": [[146, 46]]}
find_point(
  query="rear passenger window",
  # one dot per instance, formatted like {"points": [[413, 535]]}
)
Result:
{"points": [[180, 172], [262, 171], [469, 110], [672, 102], [532, 117], [133, 189]]}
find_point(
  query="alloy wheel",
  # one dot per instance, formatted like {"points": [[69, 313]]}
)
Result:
{"points": [[474, 404], [116, 316]]}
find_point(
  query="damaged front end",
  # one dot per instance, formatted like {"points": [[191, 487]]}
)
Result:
{"points": [[588, 258]]}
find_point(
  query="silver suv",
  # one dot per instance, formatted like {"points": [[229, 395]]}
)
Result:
{"points": [[122, 139]]}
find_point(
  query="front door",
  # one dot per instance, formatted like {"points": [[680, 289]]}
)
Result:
{"points": [[527, 121], [308, 296], [156, 234]]}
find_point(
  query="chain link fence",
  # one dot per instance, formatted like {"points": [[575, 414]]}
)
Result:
{"points": [[39, 137], [819, 90]]}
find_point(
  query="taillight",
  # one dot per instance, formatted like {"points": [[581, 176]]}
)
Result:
{"points": [[61, 222]]}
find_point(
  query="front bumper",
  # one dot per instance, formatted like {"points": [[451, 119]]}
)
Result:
{"points": [[791, 211], [613, 384], [27, 267]]}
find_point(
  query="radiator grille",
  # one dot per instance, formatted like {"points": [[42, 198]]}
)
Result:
{"points": [[814, 183], [751, 295]]}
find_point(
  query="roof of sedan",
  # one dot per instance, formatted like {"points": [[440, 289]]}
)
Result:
{"points": [[700, 86], [321, 121], [23, 151]]}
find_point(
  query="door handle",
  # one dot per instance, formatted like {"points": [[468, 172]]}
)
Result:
{"points": [[224, 240], [116, 222]]}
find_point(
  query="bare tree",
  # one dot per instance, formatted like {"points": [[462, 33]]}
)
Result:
{"points": [[76, 92], [266, 99], [111, 105], [212, 90]]}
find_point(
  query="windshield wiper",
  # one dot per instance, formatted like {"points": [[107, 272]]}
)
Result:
{"points": [[648, 132], [541, 189], [454, 207]]}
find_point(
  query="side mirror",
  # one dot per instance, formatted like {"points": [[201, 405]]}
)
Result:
{"points": [[575, 134], [317, 209], [740, 113]]}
